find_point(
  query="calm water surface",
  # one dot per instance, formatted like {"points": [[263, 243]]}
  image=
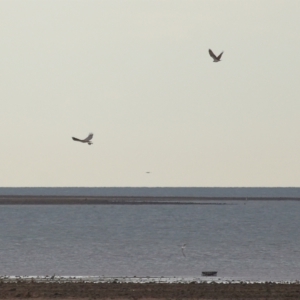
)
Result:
{"points": [[254, 239]]}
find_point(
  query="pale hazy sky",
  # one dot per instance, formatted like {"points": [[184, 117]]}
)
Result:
{"points": [[138, 75]]}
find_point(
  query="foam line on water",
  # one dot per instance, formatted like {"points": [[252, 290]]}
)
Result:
{"points": [[134, 279]]}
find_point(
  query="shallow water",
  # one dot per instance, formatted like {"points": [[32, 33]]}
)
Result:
{"points": [[253, 239]]}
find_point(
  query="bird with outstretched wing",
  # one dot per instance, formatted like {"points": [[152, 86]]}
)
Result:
{"points": [[182, 249], [86, 140], [215, 58]]}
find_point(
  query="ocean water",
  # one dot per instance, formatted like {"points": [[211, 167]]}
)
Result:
{"points": [[240, 239], [267, 192]]}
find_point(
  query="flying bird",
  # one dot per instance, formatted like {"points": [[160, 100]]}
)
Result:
{"points": [[182, 249], [216, 58], [86, 140]]}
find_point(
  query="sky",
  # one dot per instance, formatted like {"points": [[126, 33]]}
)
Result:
{"points": [[138, 75]]}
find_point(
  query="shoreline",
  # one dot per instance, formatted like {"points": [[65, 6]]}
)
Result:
{"points": [[128, 200], [142, 279]]}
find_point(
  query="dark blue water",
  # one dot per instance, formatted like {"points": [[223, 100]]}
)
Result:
{"points": [[254, 239]]}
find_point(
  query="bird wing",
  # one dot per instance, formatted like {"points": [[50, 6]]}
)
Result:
{"points": [[88, 138], [212, 54], [76, 139], [219, 57]]}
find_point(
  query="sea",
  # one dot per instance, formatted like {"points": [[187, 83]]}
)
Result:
{"points": [[240, 239]]}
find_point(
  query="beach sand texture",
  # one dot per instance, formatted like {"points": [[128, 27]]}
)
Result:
{"points": [[147, 291]]}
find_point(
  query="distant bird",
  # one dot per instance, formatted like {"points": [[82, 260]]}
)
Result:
{"points": [[148, 172], [182, 249], [216, 58], [86, 140]]}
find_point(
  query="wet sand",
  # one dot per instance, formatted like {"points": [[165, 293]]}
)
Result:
{"points": [[124, 291]]}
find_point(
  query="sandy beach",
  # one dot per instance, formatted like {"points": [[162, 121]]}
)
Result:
{"points": [[124, 291]]}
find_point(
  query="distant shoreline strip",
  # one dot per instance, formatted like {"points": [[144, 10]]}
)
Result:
{"points": [[98, 200]]}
